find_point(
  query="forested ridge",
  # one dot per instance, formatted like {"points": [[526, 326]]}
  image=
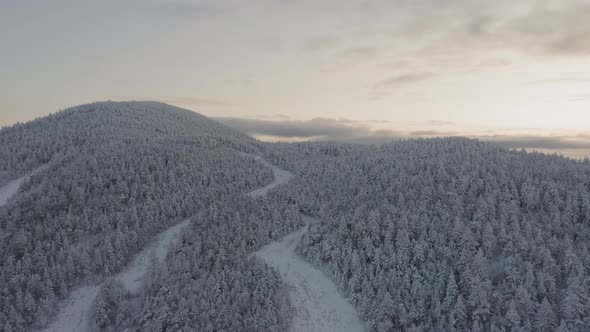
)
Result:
{"points": [[449, 234], [446, 234]]}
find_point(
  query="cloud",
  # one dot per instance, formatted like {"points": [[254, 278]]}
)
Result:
{"points": [[320, 43], [186, 9], [404, 79], [360, 52], [347, 58], [561, 31], [440, 123], [431, 133], [318, 128], [577, 146], [580, 98], [550, 28], [442, 36], [560, 80], [239, 82], [493, 63], [533, 27], [195, 102], [539, 141], [350, 131]]}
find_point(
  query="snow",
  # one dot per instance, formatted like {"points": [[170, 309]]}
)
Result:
{"points": [[281, 177], [77, 314], [133, 275], [11, 188], [318, 305]]}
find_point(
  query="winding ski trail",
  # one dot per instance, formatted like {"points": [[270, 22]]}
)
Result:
{"points": [[317, 302], [280, 176], [76, 314], [133, 275]]}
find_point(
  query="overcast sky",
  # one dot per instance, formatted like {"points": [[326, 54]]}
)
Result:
{"points": [[515, 71]]}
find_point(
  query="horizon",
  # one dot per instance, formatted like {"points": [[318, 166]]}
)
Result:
{"points": [[512, 73], [362, 135]]}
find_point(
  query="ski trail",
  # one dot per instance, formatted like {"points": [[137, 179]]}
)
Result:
{"points": [[280, 176], [133, 275], [76, 315], [11, 188], [317, 302]]}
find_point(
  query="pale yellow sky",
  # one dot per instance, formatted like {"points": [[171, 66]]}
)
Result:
{"points": [[477, 66]]}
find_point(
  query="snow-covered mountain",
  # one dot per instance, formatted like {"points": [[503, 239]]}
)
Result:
{"points": [[420, 235], [113, 176]]}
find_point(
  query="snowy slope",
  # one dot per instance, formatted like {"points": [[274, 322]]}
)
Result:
{"points": [[133, 275], [76, 315], [281, 177], [11, 188], [318, 305]]}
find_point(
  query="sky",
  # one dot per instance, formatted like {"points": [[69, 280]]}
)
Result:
{"points": [[513, 72]]}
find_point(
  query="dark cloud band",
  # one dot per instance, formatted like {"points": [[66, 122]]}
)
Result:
{"points": [[322, 129]]}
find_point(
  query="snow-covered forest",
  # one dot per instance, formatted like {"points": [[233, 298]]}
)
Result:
{"points": [[445, 234], [210, 282], [448, 234], [118, 174]]}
